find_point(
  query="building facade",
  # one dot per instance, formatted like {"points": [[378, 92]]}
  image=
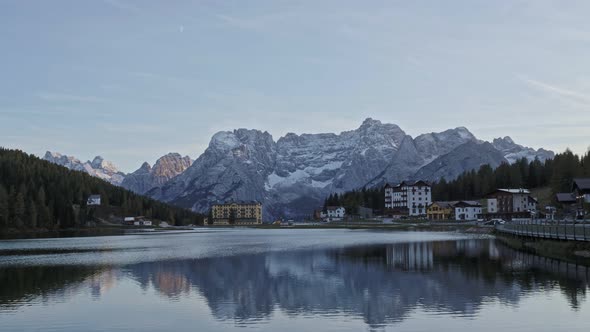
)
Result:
{"points": [[440, 210], [237, 213], [510, 203], [411, 198], [581, 189], [467, 210], [335, 212]]}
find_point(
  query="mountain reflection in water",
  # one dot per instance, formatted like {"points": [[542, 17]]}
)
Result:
{"points": [[382, 284]]}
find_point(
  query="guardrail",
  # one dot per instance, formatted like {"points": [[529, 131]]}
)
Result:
{"points": [[570, 232]]}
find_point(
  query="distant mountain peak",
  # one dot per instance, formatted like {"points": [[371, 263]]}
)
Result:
{"points": [[146, 166], [97, 167], [508, 139], [370, 122], [165, 168], [514, 152]]}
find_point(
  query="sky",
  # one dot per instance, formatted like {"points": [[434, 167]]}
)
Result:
{"points": [[134, 80]]}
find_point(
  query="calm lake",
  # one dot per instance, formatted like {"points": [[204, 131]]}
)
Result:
{"points": [[287, 280]]}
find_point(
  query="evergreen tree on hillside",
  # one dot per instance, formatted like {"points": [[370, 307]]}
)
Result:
{"points": [[4, 211], [38, 194], [556, 173]]}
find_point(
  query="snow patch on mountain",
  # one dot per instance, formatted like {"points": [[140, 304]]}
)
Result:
{"points": [[98, 167], [513, 152]]}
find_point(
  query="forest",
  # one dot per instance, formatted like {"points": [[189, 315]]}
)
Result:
{"points": [[556, 174], [36, 194]]}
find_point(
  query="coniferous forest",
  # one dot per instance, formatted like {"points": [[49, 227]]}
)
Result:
{"points": [[557, 174], [38, 194]]}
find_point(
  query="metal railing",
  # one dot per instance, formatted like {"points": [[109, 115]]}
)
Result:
{"points": [[556, 231]]}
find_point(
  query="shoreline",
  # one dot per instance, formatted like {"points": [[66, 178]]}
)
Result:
{"points": [[569, 251], [43, 233]]}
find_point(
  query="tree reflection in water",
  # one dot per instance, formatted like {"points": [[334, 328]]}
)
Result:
{"points": [[382, 284]]}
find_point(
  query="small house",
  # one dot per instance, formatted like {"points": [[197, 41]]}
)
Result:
{"points": [[581, 189], [467, 210], [440, 210], [335, 212], [93, 200]]}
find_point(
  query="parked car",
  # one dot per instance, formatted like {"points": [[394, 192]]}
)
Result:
{"points": [[495, 222]]}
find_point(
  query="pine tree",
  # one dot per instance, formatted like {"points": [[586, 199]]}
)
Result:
{"points": [[32, 214], [19, 210], [4, 211]]}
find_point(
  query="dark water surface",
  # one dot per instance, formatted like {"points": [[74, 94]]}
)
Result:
{"points": [[286, 280]]}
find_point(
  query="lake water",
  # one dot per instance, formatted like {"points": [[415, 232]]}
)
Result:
{"points": [[286, 280]]}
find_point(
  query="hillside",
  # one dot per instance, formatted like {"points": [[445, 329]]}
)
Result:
{"points": [[37, 194]]}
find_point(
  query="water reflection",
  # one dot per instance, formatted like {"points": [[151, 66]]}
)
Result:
{"points": [[382, 284]]}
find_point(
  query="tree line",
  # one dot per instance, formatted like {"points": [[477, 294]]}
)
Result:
{"points": [[556, 173], [35, 193]]}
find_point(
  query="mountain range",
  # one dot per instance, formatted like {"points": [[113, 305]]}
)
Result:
{"points": [[98, 167], [292, 175]]}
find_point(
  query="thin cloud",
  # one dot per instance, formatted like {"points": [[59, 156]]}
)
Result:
{"points": [[562, 92]]}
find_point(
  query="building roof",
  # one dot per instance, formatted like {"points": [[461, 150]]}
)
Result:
{"points": [[409, 184], [565, 197], [332, 208], [444, 204], [582, 184], [239, 203], [94, 197], [468, 204], [515, 191], [510, 191]]}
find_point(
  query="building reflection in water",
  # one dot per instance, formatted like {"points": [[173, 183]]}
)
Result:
{"points": [[381, 284]]}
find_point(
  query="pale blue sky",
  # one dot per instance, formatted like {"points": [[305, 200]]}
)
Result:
{"points": [[133, 80]]}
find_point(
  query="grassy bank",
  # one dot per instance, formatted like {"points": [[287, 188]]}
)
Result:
{"points": [[572, 251]]}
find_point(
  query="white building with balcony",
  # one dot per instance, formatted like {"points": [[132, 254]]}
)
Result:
{"points": [[412, 198]]}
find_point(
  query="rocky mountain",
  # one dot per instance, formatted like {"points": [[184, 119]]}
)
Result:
{"points": [[165, 168], [234, 166], [514, 152], [293, 175], [98, 167], [466, 157]]}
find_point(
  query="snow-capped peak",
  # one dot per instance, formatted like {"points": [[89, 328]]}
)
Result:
{"points": [[97, 167]]}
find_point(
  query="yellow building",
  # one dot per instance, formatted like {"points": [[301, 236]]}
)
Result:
{"points": [[238, 213], [440, 211]]}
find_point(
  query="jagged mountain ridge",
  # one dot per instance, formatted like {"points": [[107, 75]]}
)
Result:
{"points": [[140, 181], [466, 157], [513, 152], [148, 177], [98, 167], [292, 175]]}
